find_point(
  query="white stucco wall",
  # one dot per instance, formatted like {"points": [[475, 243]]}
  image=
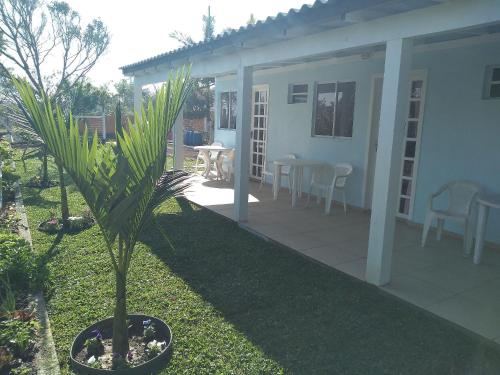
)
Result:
{"points": [[460, 134]]}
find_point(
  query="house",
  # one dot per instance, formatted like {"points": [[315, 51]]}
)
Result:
{"points": [[407, 91]]}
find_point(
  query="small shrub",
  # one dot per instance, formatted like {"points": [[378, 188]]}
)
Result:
{"points": [[94, 345], [149, 330], [17, 261], [17, 335]]}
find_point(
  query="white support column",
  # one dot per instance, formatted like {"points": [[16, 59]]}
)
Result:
{"points": [[243, 122], [137, 94], [395, 97], [179, 141]]}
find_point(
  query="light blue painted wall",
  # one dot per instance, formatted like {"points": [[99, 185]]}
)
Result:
{"points": [[461, 132], [460, 135]]}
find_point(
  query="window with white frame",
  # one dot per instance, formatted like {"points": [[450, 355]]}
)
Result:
{"points": [[492, 82], [297, 93], [334, 109], [228, 110]]}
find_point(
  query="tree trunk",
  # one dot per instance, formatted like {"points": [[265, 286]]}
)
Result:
{"points": [[45, 169], [120, 329], [64, 197]]}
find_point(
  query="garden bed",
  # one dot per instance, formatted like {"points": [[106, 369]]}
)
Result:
{"points": [[19, 326]]}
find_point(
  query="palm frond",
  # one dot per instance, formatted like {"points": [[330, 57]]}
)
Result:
{"points": [[120, 185]]}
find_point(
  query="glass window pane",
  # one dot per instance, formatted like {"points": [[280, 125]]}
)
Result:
{"points": [[344, 114], [408, 168], [299, 98], [412, 129], [325, 88], [256, 97], [495, 75], [416, 89], [299, 89], [263, 96], [404, 206], [414, 109], [232, 113], [224, 110], [406, 187], [495, 90], [325, 108], [410, 149]]}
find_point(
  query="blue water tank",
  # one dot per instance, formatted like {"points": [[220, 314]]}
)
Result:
{"points": [[197, 139]]}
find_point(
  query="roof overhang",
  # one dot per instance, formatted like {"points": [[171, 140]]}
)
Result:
{"points": [[309, 19]]}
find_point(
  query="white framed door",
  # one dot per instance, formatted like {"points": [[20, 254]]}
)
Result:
{"points": [[411, 146], [413, 129], [258, 139]]}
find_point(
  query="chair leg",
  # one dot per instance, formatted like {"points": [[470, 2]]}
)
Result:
{"points": [[468, 238], [290, 182], [328, 201], [440, 223], [345, 204], [261, 181], [427, 226], [309, 195]]}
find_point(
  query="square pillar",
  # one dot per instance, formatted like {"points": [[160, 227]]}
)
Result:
{"points": [[137, 95], [393, 115], [178, 135], [243, 128]]}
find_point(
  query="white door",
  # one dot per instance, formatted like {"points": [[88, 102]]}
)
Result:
{"points": [[411, 147], [259, 130], [372, 148], [408, 176]]}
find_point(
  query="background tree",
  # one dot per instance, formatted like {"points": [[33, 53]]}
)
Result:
{"points": [[199, 103], [47, 44], [251, 20]]}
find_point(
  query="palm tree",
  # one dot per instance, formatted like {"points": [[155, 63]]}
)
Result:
{"points": [[121, 185]]}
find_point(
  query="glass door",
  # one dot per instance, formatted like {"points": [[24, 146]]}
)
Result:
{"points": [[411, 146], [259, 131]]}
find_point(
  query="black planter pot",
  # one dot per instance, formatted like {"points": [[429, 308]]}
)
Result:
{"points": [[106, 328]]}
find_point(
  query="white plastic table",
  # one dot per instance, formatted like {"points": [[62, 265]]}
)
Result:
{"points": [[206, 150], [297, 171], [485, 202]]}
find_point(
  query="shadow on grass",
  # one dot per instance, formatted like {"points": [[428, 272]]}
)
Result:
{"points": [[44, 260], [309, 318]]}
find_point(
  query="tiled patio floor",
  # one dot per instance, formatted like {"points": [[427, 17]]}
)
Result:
{"points": [[437, 278]]}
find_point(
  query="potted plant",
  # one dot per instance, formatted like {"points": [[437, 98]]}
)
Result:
{"points": [[121, 185]]}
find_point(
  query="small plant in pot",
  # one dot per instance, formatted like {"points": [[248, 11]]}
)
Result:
{"points": [[121, 185]]}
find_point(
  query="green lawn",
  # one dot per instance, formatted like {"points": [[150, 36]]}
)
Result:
{"points": [[240, 305]]}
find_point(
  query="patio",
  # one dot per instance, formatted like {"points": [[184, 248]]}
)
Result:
{"points": [[436, 278]]}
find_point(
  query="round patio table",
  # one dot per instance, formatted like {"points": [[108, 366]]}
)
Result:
{"points": [[206, 151], [485, 202], [297, 171]]}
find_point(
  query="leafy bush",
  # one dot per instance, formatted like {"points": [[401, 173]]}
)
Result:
{"points": [[17, 261], [5, 150], [17, 335]]}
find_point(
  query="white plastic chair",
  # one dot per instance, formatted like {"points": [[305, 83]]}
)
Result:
{"points": [[285, 171], [461, 196], [326, 179]]}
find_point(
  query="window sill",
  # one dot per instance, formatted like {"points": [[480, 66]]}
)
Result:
{"points": [[226, 129], [332, 137]]}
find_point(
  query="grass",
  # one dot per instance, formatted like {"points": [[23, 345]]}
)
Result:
{"points": [[240, 305]]}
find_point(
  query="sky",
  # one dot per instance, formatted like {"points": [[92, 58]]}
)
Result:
{"points": [[139, 29]]}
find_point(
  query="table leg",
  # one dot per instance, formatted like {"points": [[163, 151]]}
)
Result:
{"points": [[295, 183], [276, 181], [480, 231], [206, 155], [218, 165]]}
